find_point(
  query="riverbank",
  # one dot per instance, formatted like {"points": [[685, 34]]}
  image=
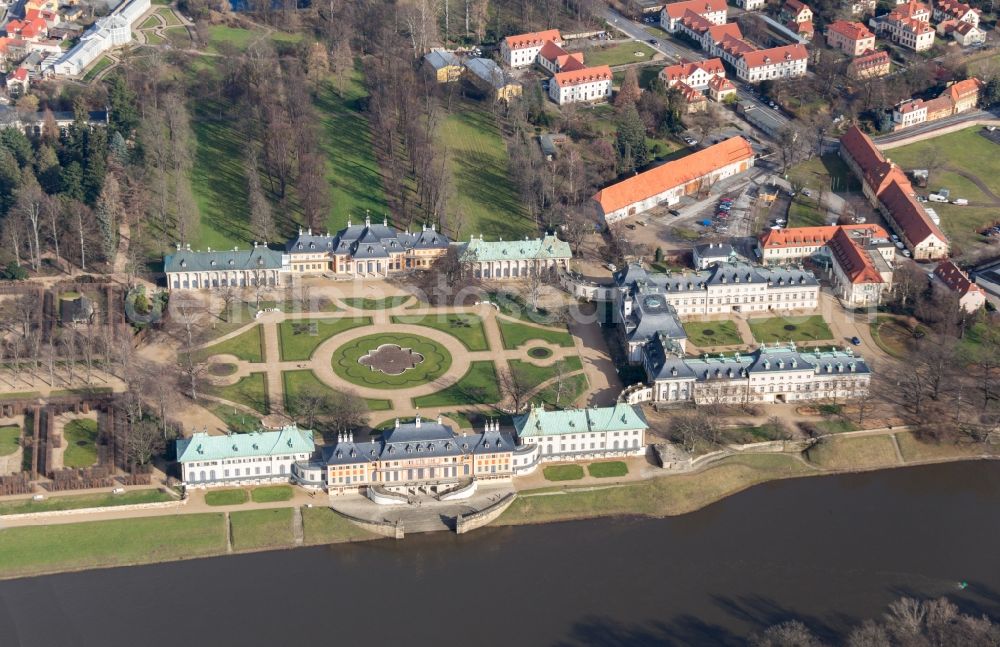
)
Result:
{"points": [[38, 550]]}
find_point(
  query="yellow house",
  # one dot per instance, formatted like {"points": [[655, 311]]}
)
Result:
{"points": [[443, 66], [486, 74]]}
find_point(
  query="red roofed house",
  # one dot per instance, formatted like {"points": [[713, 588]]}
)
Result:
{"points": [[794, 11], [714, 11], [963, 33], [711, 39], [522, 50], [909, 113], [31, 30], [668, 183], [908, 25], [17, 82], [795, 244], [721, 89], [870, 66], [964, 95], [886, 187], [694, 99], [555, 59], [960, 97], [775, 63], [971, 297], [587, 84], [956, 10], [696, 74], [860, 271], [851, 37], [804, 29]]}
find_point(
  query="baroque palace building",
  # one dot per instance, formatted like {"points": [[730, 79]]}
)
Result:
{"points": [[512, 259]]}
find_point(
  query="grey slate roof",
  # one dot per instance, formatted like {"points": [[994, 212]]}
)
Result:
{"points": [[307, 243], [439, 59], [717, 274], [260, 258], [373, 240], [488, 70], [666, 365]]}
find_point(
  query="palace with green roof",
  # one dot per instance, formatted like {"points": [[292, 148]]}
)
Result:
{"points": [[246, 459], [512, 259], [583, 434]]}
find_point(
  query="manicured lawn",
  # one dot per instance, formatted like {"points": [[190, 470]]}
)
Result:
{"points": [[300, 338], [478, 386], [77, 502], [102, 64], [271, 493], [9, 440], [41, 549], [668, 495], [226, 497], [968, 151], [836, 426], [891, 335], [712, 333], [535, 375], [239, 38], [169, 17], [377, 304], [467, 328], [299, 382], [607, 469], [806, 212], [255, 529], [485, 200], [839, 452], [375, 404], [436, 361], [80, 437], [321, 525], [573, 388], [178, 36], [828, 172], [149, 23], [619, 54], [247, 346], [235, 420], [563, 473], [517, 334], [796, 329], [250, 391], [154, 38]]}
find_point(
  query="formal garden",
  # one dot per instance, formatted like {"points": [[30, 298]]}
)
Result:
{"points": [[790, 329], [391, 361]]}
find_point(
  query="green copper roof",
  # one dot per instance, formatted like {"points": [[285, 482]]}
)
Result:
{"points": [[202, 447], [478, 249], [539, 422]]}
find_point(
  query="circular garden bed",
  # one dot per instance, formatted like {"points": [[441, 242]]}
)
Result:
{"points": [[539, 352], [221, 369], [358, 361]]}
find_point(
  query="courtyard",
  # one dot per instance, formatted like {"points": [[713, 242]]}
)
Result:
{"points": [[401, 359]]}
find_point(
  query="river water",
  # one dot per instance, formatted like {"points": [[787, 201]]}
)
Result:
{"points": [[828, 551]]}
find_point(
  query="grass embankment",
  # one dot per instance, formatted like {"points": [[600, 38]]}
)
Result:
{"points": [[468, 329], [855, 452], [665, 496], [81, 501], [794, 329], [324, 526], [300, 338], [914, 449], [516, 335], [257, 529], [45, 549], [80, 437], [712, 333]]}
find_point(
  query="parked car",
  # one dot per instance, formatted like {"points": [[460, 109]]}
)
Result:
{"points": [[725, 207], [893, 237], [856, 341], [906, 253], [721, 214], [629, 226], [652, 41], [780, 221], [673, 212], [611, 267], [807, 193]]}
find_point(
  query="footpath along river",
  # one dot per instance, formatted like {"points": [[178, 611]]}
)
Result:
{"points": [[829, 551]]}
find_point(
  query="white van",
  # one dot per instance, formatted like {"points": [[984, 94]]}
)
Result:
{"points": [[960, 202], [934, 197]]}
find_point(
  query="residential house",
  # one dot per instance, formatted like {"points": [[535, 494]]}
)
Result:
{"points": [[861, 267], [853, 38], [514, 259], [588, 84], [668, 183], [17, 82], [798, 18], [971, 297], [955, 10], [721, 89], [907, 25], [443, 66], [485, 74], [783, 62], [909, 113], [714, 11], [963, 33], [959, 97], [694, 100], [244, 459], [583, 434], [554, 58], [888, 189], [695, 74], [796, 244], [869, 66], [522, 50], [751, 5], [964, 95], [775, 374], [862, 7]]}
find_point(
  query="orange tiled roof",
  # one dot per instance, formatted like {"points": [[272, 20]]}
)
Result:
{"points": [[760, 57], [850, 30], [673, 174], [853, 260], [812, 236], [681, 71], [719, 83], [533, 39], [570, 62], [731, 29], [584, 75], [676, 9], [953, 277], [964, 89], [551, 51], [871, 60], [908, 214], [695, 22]]}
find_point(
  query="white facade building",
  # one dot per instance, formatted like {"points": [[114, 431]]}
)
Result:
{"points": [[243, 459], [583, 434], [583, 85], [784, 62], [114, 30], [522, 50]]}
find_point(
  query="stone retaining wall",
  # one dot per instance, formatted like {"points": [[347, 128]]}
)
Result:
{"points": [[108, 508], [461, 492], [467, 522], [392, 530]]}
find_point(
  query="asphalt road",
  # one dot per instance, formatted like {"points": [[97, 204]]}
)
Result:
{"points": [[675, 50]]}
